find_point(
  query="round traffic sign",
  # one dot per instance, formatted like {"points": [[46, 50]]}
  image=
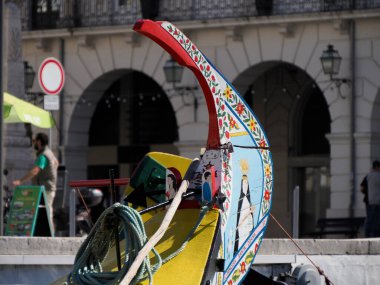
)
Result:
{"points": [[51, 76]]}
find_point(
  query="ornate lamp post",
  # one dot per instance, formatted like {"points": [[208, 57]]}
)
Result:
{"points": [[29, 75], [173, 71], [330, 61]]}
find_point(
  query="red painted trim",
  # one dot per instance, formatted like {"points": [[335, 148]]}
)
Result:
{"points": [[154, 31], [98, 183]]}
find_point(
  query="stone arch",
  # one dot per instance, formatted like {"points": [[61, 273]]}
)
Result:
{"points": [[309, 156], [375, 127], [81, 118], [375, 114], [92, 63], [83, 109], [278, 93]]}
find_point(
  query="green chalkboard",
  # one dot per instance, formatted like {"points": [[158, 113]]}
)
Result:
{"points": [[29, 213]]}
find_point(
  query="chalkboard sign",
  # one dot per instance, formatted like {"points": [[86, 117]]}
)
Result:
{"points": [[29, 214]]}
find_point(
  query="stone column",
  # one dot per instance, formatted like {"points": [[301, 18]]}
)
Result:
{"points": [[363, 166], [17, 145], [340, 175]]}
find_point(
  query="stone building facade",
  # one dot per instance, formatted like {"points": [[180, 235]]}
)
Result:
{"points": [[117, 104]]}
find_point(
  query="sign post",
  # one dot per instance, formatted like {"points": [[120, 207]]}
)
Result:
{"points": [[51, 77], [51, 102]]}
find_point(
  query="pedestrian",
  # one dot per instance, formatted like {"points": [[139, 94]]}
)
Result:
{"points": [[373, 212], [364, 190], [44, 171]]}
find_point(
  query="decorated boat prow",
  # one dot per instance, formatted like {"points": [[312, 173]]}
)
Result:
{"points": [[215, 221], [237, 156]]}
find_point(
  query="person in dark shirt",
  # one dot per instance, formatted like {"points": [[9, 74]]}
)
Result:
{"points": [[364, 190], [372, 224]]}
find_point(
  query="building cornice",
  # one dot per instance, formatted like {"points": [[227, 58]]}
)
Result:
{"points": [[367, 137], [210, 24]]}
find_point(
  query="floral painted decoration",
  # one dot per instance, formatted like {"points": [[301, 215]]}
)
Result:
{"points": [[225, 100]]}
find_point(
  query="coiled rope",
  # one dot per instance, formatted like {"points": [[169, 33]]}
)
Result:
{"points": [[87, 266]]}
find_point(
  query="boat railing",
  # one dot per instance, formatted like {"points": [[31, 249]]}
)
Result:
{"points": [[75, 185]]}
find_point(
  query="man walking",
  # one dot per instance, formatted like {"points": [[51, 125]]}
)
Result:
{"points": [[44, 171]]}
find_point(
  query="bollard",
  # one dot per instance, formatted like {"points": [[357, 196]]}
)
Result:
{"points": [[72, 212], [295, 213]]}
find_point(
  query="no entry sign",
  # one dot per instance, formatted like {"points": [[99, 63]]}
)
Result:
{"points": [[51, 76]]}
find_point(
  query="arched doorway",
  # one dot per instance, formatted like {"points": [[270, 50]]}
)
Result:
{"points": [[375, 129], [309, 159], [134, 116], [295, 117]]}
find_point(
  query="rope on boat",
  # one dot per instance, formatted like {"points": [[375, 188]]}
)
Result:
{"points": [[156, 237], [127, 221], [87, 266], [320, 271]]}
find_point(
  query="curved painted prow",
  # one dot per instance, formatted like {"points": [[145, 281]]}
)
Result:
{"points": [[160, 33], [237, 156]]}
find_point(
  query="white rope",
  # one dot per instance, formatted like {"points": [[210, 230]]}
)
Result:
{"points": [[160, 232]]}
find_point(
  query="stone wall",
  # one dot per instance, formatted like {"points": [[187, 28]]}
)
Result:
{"points": [[40, 260], [17, 146]]}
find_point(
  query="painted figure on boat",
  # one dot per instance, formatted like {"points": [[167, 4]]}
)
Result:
{"points": [[206, 187], [245, 213]]}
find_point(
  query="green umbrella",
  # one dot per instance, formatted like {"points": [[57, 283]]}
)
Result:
{"points": [[19, 111]]}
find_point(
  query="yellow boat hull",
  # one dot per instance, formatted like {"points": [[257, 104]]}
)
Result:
{"points": [[188, 267]]}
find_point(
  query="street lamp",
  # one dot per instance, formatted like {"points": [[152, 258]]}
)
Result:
{"points": [[173, 74], [173, 71], [29, 75], [330, 61]]}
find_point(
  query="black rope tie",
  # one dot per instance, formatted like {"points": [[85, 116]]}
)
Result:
{"points": [[253, 147], [230, 147]]}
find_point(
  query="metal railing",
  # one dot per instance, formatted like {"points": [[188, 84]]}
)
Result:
{"points": [[52, 14]]}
